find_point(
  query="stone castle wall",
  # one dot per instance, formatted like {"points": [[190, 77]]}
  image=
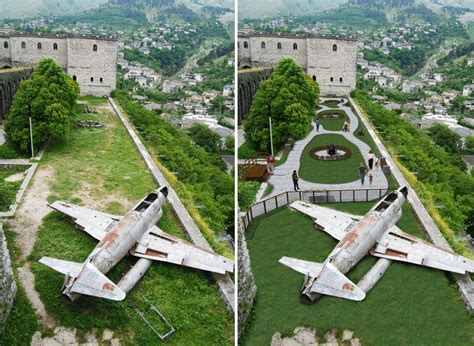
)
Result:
{"points": [[7, 281], [9, 84], [328, 60], [248, 83], [247, 288], [90, 61]]}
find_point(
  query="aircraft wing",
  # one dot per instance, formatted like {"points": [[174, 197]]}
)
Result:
{"points": [[400, 246], [335, 223], [160, 246], [93, 222]]}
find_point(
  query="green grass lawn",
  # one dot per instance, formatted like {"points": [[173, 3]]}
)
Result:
{"points": [[330, 104], [333, 124], [330, 172], [8, 189], [93, 100], [268, 190], [283, 158], [104, 166], [410, 305]]}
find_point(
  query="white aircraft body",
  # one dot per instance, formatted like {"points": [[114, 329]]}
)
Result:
{"points": [[374, 233], [137, 234]]}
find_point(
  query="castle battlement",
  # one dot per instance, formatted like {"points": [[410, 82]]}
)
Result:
{"points": [[329, 60], [91, 61]]}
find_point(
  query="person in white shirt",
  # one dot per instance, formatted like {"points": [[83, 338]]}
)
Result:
{"points": [[370, 159]]}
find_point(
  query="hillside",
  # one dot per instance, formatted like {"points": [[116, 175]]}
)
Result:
{"points": [[270, 8], [32, 8]]}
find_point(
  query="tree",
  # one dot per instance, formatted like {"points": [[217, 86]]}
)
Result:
{"points": [[289, 98], [48, 97], [205, 137], [457, 104], [469, 142], [229, 143], [445, 138]]}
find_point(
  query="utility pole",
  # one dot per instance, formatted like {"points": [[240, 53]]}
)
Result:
{"points": [[31, 137]]}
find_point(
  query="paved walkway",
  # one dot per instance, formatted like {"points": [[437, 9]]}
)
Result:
{"points": [[281, 179]]}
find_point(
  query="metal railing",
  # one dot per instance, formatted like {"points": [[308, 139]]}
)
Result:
{"points": [[312, 196]]}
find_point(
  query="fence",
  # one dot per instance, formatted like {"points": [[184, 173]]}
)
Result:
{"points": [[327, 196]]}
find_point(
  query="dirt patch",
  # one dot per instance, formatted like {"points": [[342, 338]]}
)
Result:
{"points": [[15, 177], [28, 282], [32, 210]]}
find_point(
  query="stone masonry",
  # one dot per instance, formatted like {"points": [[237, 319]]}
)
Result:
{"points": [[330, 61], [7, 282], [247, 288], [91, 61]]}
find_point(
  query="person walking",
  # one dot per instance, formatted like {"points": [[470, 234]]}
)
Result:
{"points": [[295, 178], [346, 126], [362, 172], [318, 122], [371, 179], [270, 162], [370, 159]]}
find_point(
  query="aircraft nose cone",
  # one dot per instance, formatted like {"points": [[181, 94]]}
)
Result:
{"points": [[404, 191], [164, 190]]}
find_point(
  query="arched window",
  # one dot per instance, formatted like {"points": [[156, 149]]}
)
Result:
{"points": [[246, 44], [55, 46], [92, 79], [340, 79], [332, 79], [74, 78], [40, 45], [262, 45], [295, 46], [94, 48], [279, 45], [5, 44], [314, 78], [101, 79], [23, 45], [334, 48]]}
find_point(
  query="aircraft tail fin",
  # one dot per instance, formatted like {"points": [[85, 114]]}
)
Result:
{"points": [[303, 267], [87, 279], [332, 282], [68, 268], [328, 280]]}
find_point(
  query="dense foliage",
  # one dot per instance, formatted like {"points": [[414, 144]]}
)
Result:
{"points": [[201, 175], [456, 53], [48, 97], [205, 138], [289, 97], [439, 173], [424, 44]]}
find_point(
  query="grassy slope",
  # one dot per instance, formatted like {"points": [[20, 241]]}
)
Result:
{"points": [[411, 305], [330, 172], [8, 189], [105, 162]]}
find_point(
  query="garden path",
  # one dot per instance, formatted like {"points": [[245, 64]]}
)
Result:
{"points": [[281, 179]]}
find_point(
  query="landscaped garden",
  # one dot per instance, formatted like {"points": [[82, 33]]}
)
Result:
{"points": [[333, 119], [411, 305], [330, 171]]}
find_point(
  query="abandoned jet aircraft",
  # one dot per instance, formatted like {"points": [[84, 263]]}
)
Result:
{"points": [[374, 233], [135, 233]]}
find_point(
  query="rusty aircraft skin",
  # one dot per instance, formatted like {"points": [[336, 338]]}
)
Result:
{"points": [[135, 233], [375, 233]]}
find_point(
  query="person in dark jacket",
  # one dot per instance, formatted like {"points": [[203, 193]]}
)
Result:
{"points": [[295, 178]]}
